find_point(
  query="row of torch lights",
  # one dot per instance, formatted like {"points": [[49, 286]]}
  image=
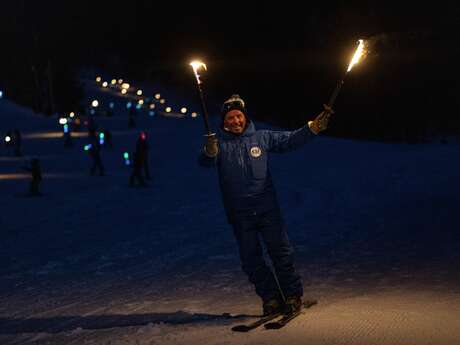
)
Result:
{"points": [[124, 89], [65, 121]]}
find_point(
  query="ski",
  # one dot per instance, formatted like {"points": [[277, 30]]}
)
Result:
{"points": [[288, 317], [283, 321], [250, 326], [266, 320]]}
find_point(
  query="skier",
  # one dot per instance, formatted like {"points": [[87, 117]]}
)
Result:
{"points": [[137, 171], [36, 177], [131, 115], [68, 137], [17, 142], [110, 110], [140, 161], [91, 125], [76, 124], [94, 152], [142, 147], [108, 138], [241, 157]]}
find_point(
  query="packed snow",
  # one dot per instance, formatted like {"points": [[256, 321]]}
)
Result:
{"points": [[375, 228]]}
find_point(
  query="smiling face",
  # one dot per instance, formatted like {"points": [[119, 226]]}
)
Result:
{"points": [[235, 121]]}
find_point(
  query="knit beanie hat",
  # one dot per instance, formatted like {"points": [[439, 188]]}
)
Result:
{"points": [[234, 102]]}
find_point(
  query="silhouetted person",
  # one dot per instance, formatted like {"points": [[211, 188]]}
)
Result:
{"points": [[142, 147], [91, 125], [17, 141], [137, 171], [94, 153], [76, 124], [131, 115], [108, 138], [110, 112], [68, 138], [36, 177]]}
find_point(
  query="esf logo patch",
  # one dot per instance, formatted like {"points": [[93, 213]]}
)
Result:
{"points": [[256, 151]]}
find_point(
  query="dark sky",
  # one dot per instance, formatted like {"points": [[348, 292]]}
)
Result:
{"points": [[164, 31], [294, 51]]}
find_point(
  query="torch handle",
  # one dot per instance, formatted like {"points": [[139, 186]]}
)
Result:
{"points": [[334, 95], [205, 111]]}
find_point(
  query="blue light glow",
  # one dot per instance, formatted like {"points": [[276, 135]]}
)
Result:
{"points": [[129, 105], [66, 128], [152, 113], [1, 94], [126, 157], [87, 147], [111, 105], [101, 138], [138, 106]]}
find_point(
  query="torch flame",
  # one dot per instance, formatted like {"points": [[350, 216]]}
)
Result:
{"points": [[359, 53], [196, 65]]}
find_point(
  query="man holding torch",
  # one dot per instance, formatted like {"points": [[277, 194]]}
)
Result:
{"points": [[241, 157]]}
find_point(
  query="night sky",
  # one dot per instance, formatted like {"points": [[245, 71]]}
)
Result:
{"points": [[284, 60]]}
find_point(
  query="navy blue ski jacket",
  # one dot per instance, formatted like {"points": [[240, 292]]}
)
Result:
{"points": [[242, 164]]}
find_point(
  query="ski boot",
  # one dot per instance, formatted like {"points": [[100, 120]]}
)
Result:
{"points": [[293, 304], [272, 306]]}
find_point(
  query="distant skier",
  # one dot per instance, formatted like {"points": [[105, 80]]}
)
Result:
{"points": [[76, 124], [91, 125], [136, 174], [110, 111], [17, 143], [241, 158], [94, 152], [36, 177], [142, 147], [108, 139], [140, 161], [131, 115], [68, 137]]}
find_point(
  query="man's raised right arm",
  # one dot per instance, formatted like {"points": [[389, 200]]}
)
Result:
{"points": [[208, 156]]}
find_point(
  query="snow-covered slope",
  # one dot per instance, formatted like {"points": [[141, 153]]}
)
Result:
{"points": [[375, 227]]}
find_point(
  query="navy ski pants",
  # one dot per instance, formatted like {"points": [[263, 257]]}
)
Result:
{"points": [[252, 232]]}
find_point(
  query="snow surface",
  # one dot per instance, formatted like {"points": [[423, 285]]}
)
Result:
{"points": [[375, 227]]}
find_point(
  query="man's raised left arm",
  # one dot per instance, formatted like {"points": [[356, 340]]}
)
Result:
{"points": [[284, 141]]}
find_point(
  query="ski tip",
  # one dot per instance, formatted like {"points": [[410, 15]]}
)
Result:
{"points": [[273, 325], [241, 328]]}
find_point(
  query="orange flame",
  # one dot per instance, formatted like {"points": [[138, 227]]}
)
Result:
{"points": [[359, 53], [197, 65]]}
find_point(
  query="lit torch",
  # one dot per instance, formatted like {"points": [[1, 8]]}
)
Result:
{"points": [[196, 65], [359, 53]]}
